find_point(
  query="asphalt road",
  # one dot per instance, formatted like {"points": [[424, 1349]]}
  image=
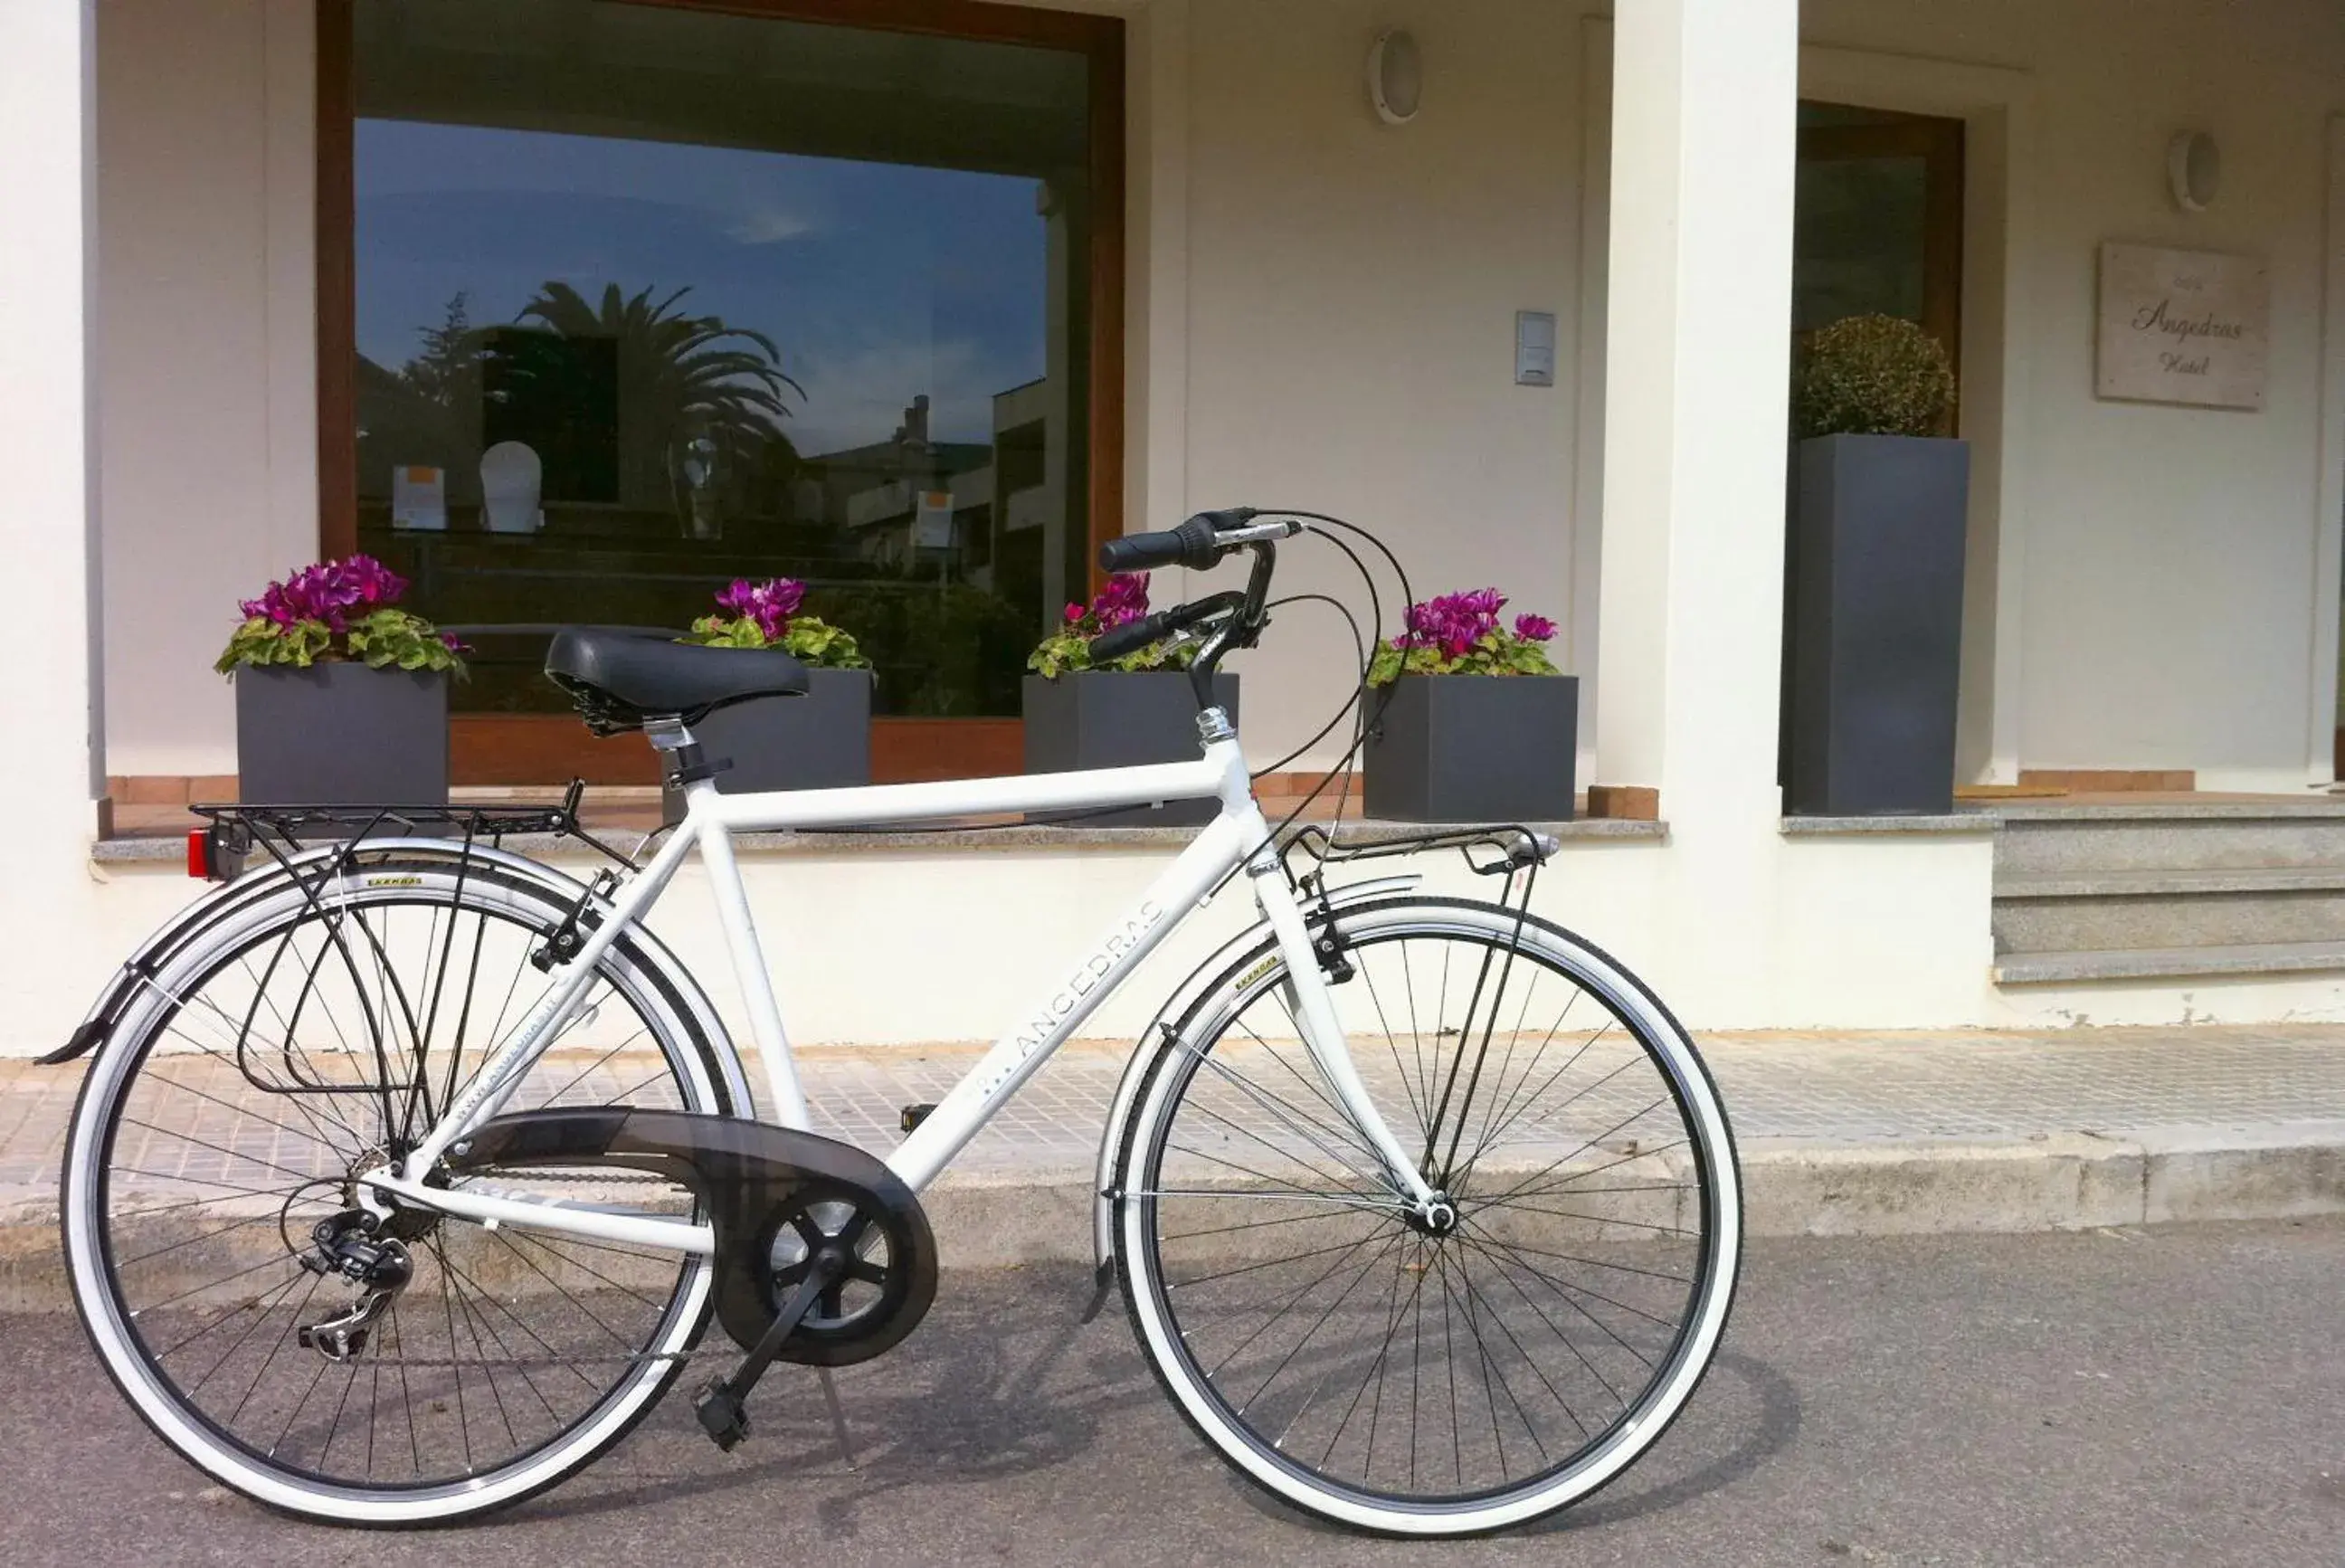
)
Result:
{"points": [[2141, 1398]]}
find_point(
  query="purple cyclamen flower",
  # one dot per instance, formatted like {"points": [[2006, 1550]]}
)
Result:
{"points": [[770, 603], [1534, 628], [1124, 600], [328, 592]]}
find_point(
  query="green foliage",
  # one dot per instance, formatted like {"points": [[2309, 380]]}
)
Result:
{"points": [[1872, 375], [1495, 652], [809, 640], [383, 639], [1068, 651]]}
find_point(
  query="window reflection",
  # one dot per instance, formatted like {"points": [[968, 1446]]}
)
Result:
{"points": [[651, 298]]}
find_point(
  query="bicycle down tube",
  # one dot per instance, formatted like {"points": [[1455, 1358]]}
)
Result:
{"points": [[1236, 838]]}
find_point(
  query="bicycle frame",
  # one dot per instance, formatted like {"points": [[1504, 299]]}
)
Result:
{"points": [[1238, 837]]}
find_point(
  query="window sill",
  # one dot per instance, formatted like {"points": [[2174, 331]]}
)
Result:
{"points": [[157, 849]]}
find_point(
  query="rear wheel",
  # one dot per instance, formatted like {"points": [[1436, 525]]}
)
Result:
{"points": [[1447, 1375], [276, 1057]]}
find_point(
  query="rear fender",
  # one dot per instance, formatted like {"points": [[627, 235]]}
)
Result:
{"points": [[174, 934]]}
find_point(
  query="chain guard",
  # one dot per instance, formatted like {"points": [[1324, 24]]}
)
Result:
{"points": [[752, 1179]]}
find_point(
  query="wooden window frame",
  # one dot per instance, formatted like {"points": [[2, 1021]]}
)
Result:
{"points": [[542, 749]]}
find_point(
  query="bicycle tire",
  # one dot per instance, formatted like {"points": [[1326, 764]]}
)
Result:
{"points": [[698, 1069], [1177, 1349]]}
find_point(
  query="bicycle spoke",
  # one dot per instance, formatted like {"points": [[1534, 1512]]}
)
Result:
{"points": [[1477, 1368], [255, 1091]]}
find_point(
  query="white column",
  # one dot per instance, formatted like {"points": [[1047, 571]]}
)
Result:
{"points": [[54, 769], [1698, 355]]}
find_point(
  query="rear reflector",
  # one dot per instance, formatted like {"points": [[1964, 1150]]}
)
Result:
{"points": [[200, 854]]}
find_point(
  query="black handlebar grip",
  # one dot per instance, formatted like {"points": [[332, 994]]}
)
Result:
{"points": [[1197, 543], [1140, 552], [1133, 635]]}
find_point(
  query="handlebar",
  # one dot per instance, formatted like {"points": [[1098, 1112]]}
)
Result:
{"points": [[1199, 544], [1133, 635]]}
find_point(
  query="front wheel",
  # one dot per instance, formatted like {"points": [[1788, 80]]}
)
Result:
{"points": [[1458, 1375]]}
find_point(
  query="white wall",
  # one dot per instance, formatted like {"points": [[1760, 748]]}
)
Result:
{"points": [[1350, 294], [206, 369], [48, 318]]}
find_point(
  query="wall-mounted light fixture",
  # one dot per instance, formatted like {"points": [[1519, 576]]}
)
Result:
{"points": [[2194, 171], [1396, 77]]}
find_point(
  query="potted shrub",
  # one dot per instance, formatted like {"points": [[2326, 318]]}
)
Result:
{"points": [[342, 697], [1135, 709], [1454, 736], [818, 741], [1874, 601]]}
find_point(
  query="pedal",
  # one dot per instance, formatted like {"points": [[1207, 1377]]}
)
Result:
{"points": [[913, 1115], [724, 1414], [723, 1404]]}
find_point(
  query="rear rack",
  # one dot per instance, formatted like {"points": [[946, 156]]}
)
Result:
{"points": [[219, 850]]}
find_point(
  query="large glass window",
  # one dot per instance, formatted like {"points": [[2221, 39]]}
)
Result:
{"points": [[647, 298]]}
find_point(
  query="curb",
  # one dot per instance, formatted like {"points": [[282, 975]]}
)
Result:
{"points": [[1791, 1186]]}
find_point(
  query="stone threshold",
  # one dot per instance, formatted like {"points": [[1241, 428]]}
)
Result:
{"points": [[1964, 822]]}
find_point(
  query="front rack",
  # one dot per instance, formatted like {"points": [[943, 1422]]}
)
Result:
{"points": [[1505, 849], [1498, 850]]}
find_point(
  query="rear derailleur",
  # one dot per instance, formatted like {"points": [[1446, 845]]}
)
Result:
{"points": [[348, 1247]]}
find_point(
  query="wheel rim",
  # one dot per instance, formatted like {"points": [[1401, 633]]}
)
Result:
{"points": [[508, 1351], [1392, 1373]]}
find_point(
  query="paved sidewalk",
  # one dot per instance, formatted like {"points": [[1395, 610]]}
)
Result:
{"points": [[1841, 1134]]}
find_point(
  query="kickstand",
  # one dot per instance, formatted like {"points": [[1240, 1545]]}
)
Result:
{"points": [[1102, 1281], [838, 1416]]}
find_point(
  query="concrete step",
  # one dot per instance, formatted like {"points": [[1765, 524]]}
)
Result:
{"points": [[2164, 881], [2219, 835], [2170, 963], [2166, 921], [2100, 911]]}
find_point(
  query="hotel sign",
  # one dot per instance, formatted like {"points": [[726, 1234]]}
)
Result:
{"points": [[2184, 326]]}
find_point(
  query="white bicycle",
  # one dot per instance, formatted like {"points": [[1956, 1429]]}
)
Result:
{"points": [[410, 1170]]}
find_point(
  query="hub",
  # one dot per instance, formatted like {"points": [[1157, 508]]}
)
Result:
{"points": [[1437, 1218]]}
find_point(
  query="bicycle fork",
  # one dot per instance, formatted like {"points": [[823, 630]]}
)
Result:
{"points": [[1324, 1037]]}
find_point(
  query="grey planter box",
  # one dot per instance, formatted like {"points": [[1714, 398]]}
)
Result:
{"points": [[1474, 749], [1876, 625], [818, 741], [1101, 718], [341, 735]]}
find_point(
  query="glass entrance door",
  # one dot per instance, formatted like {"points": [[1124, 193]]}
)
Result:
{"points": [[1877, 221], [648, 299]]}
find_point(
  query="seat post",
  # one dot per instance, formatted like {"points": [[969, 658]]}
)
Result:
{"points": [[681, 762]]}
